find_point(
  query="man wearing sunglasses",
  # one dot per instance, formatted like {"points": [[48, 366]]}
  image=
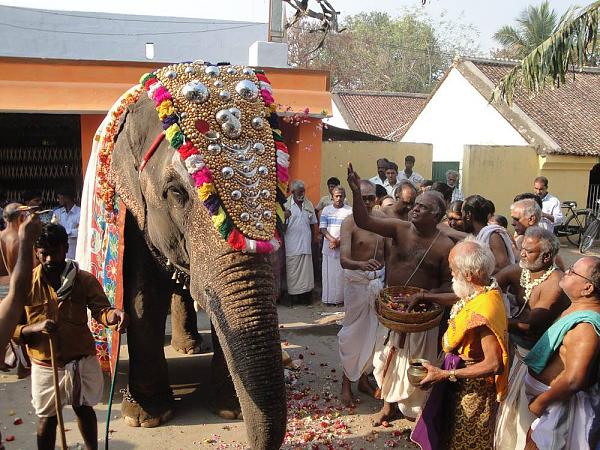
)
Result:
{"points": [[362, 260], [538, 301], [562, 382]]}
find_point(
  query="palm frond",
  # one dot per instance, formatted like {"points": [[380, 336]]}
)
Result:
{"points": [[571, 45]]}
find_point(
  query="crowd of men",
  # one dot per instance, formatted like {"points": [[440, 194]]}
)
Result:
{"points": [[520, 335]]}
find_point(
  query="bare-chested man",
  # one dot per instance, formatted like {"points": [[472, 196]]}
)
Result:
{"points": [[539, 301], [419, 257], [9, 251], [362, 260], [405, 195], [562, 383]]}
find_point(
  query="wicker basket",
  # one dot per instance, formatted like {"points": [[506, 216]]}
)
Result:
{"points": [[401, 321]]}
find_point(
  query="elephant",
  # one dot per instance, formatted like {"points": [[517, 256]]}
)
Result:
{"points": [[173, 247]]}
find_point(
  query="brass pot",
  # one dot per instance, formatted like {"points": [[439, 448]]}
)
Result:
{"points": [[416, 372]]}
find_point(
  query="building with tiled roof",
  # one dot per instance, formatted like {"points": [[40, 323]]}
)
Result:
{"points": [[383, 114]]}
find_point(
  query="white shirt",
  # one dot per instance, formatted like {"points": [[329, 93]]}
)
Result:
{"points": [[376, 180], [332, 218], [551, 205], [415, 178], [69, 220], [298, 233], [457, 195]]}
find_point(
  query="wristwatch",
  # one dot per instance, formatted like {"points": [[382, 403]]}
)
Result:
{"points": [[452, 376]]}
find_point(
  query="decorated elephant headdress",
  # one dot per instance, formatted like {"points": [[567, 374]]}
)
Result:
{"points": [[221, 122]]}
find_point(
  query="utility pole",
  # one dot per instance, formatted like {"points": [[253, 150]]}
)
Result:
{"points": [[276, 17]]}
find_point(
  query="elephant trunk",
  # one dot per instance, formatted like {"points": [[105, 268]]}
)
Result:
{"points": [[241, 307]]}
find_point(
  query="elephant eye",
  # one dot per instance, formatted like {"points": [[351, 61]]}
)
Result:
{"points": [[176, 195]]}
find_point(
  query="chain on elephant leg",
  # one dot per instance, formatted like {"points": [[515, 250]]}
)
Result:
{"points": [[146, 412]]}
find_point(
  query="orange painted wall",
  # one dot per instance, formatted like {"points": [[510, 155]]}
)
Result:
{"points": [[304, 145], [89, 125]]}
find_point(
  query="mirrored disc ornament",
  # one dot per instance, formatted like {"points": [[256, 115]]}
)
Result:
{"points": [[257, 123], [263, 171], [265, 193], [218, 84], [259, 148], [247, 90], [212, 135], [195, 91], [214, 149], [231, 71], [267, 214], [259, 226], [171, 74], [212, 71], [245, 217], [248, 71], [224, 95], [190, 70], [227, 172], [236, 195]]}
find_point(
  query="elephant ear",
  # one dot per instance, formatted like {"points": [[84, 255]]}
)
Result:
{"points": [[126, 158]]}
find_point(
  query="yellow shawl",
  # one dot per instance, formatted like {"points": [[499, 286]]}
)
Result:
{"points": [[487, 309]]}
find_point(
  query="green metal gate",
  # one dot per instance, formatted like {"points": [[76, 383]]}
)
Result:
{"points": [[438, 169]]}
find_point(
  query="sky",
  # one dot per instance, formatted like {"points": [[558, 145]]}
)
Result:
{"points": [[486, 15]]}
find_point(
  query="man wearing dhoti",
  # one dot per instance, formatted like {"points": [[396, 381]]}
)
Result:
{"points": [[461, 410], [419, 257], [361, 255], [538, 301], [562, 382], [330, 224], [301, 229]]}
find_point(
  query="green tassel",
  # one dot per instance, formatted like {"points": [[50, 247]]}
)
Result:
{"points": [[225, 228]]}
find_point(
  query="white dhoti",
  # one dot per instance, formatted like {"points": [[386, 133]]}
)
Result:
{"points": [[514, 417], [395, 387], [80, 382], [299, 274], [357, 337], [333, 279], [565, 425]]}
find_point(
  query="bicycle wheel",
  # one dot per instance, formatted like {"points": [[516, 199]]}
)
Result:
{"points": [[589, 236], [575, 226]]}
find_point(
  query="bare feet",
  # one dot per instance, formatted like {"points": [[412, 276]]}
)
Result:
{"points": [[388, 413], [347, 399], [365, 386]]}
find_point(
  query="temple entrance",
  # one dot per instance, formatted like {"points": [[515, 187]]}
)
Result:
{"points": [[40, 151]]}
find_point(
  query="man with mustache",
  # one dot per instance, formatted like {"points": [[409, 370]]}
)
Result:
{"points": [[57, 306], [418, 257], [539, 301]]}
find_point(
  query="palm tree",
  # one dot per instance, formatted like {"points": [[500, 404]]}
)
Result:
{"points": [[572, 45], [535, 24]]}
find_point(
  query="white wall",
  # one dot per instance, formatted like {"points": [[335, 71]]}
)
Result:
{"points": [[336, 118], [458, 115]]}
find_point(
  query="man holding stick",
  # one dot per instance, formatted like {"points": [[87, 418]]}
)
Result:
{"points": [[57, 307], [419, 257]]}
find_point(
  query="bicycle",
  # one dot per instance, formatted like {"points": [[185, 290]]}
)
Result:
{"points": [[591, 232], [575, 224]]}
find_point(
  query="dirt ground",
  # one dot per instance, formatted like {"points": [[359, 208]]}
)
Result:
{"points": [[316, 418]]}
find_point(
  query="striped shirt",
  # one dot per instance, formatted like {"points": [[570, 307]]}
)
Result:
{"points": [[332, 218]]}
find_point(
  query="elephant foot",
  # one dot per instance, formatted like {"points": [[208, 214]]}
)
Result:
{"points": [[188, 344], [227, 410], [146, 414]]}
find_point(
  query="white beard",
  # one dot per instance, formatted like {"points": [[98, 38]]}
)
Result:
{"points": [[462, 288], [535, 266]]}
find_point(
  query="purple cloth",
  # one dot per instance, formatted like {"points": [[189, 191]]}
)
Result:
{"points": [[431, 423]]}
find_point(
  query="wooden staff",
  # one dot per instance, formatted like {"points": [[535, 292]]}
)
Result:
{"points": [[57, 402]]}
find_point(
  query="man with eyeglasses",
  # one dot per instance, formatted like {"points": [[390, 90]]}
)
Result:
{"points": [[562, 382], [362, 260], [538, 301]]}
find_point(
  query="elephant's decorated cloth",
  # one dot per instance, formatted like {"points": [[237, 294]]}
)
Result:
{"points": [[99, 248], [222, 121]]}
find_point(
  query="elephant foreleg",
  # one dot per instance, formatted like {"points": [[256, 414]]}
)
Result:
{"points": [[224, 399], [184, 337], [149, 399]]}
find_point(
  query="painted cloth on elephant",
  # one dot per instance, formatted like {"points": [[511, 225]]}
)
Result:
{"points": [[395, 387], [333, 274], [357, 337], [80, 382]]}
